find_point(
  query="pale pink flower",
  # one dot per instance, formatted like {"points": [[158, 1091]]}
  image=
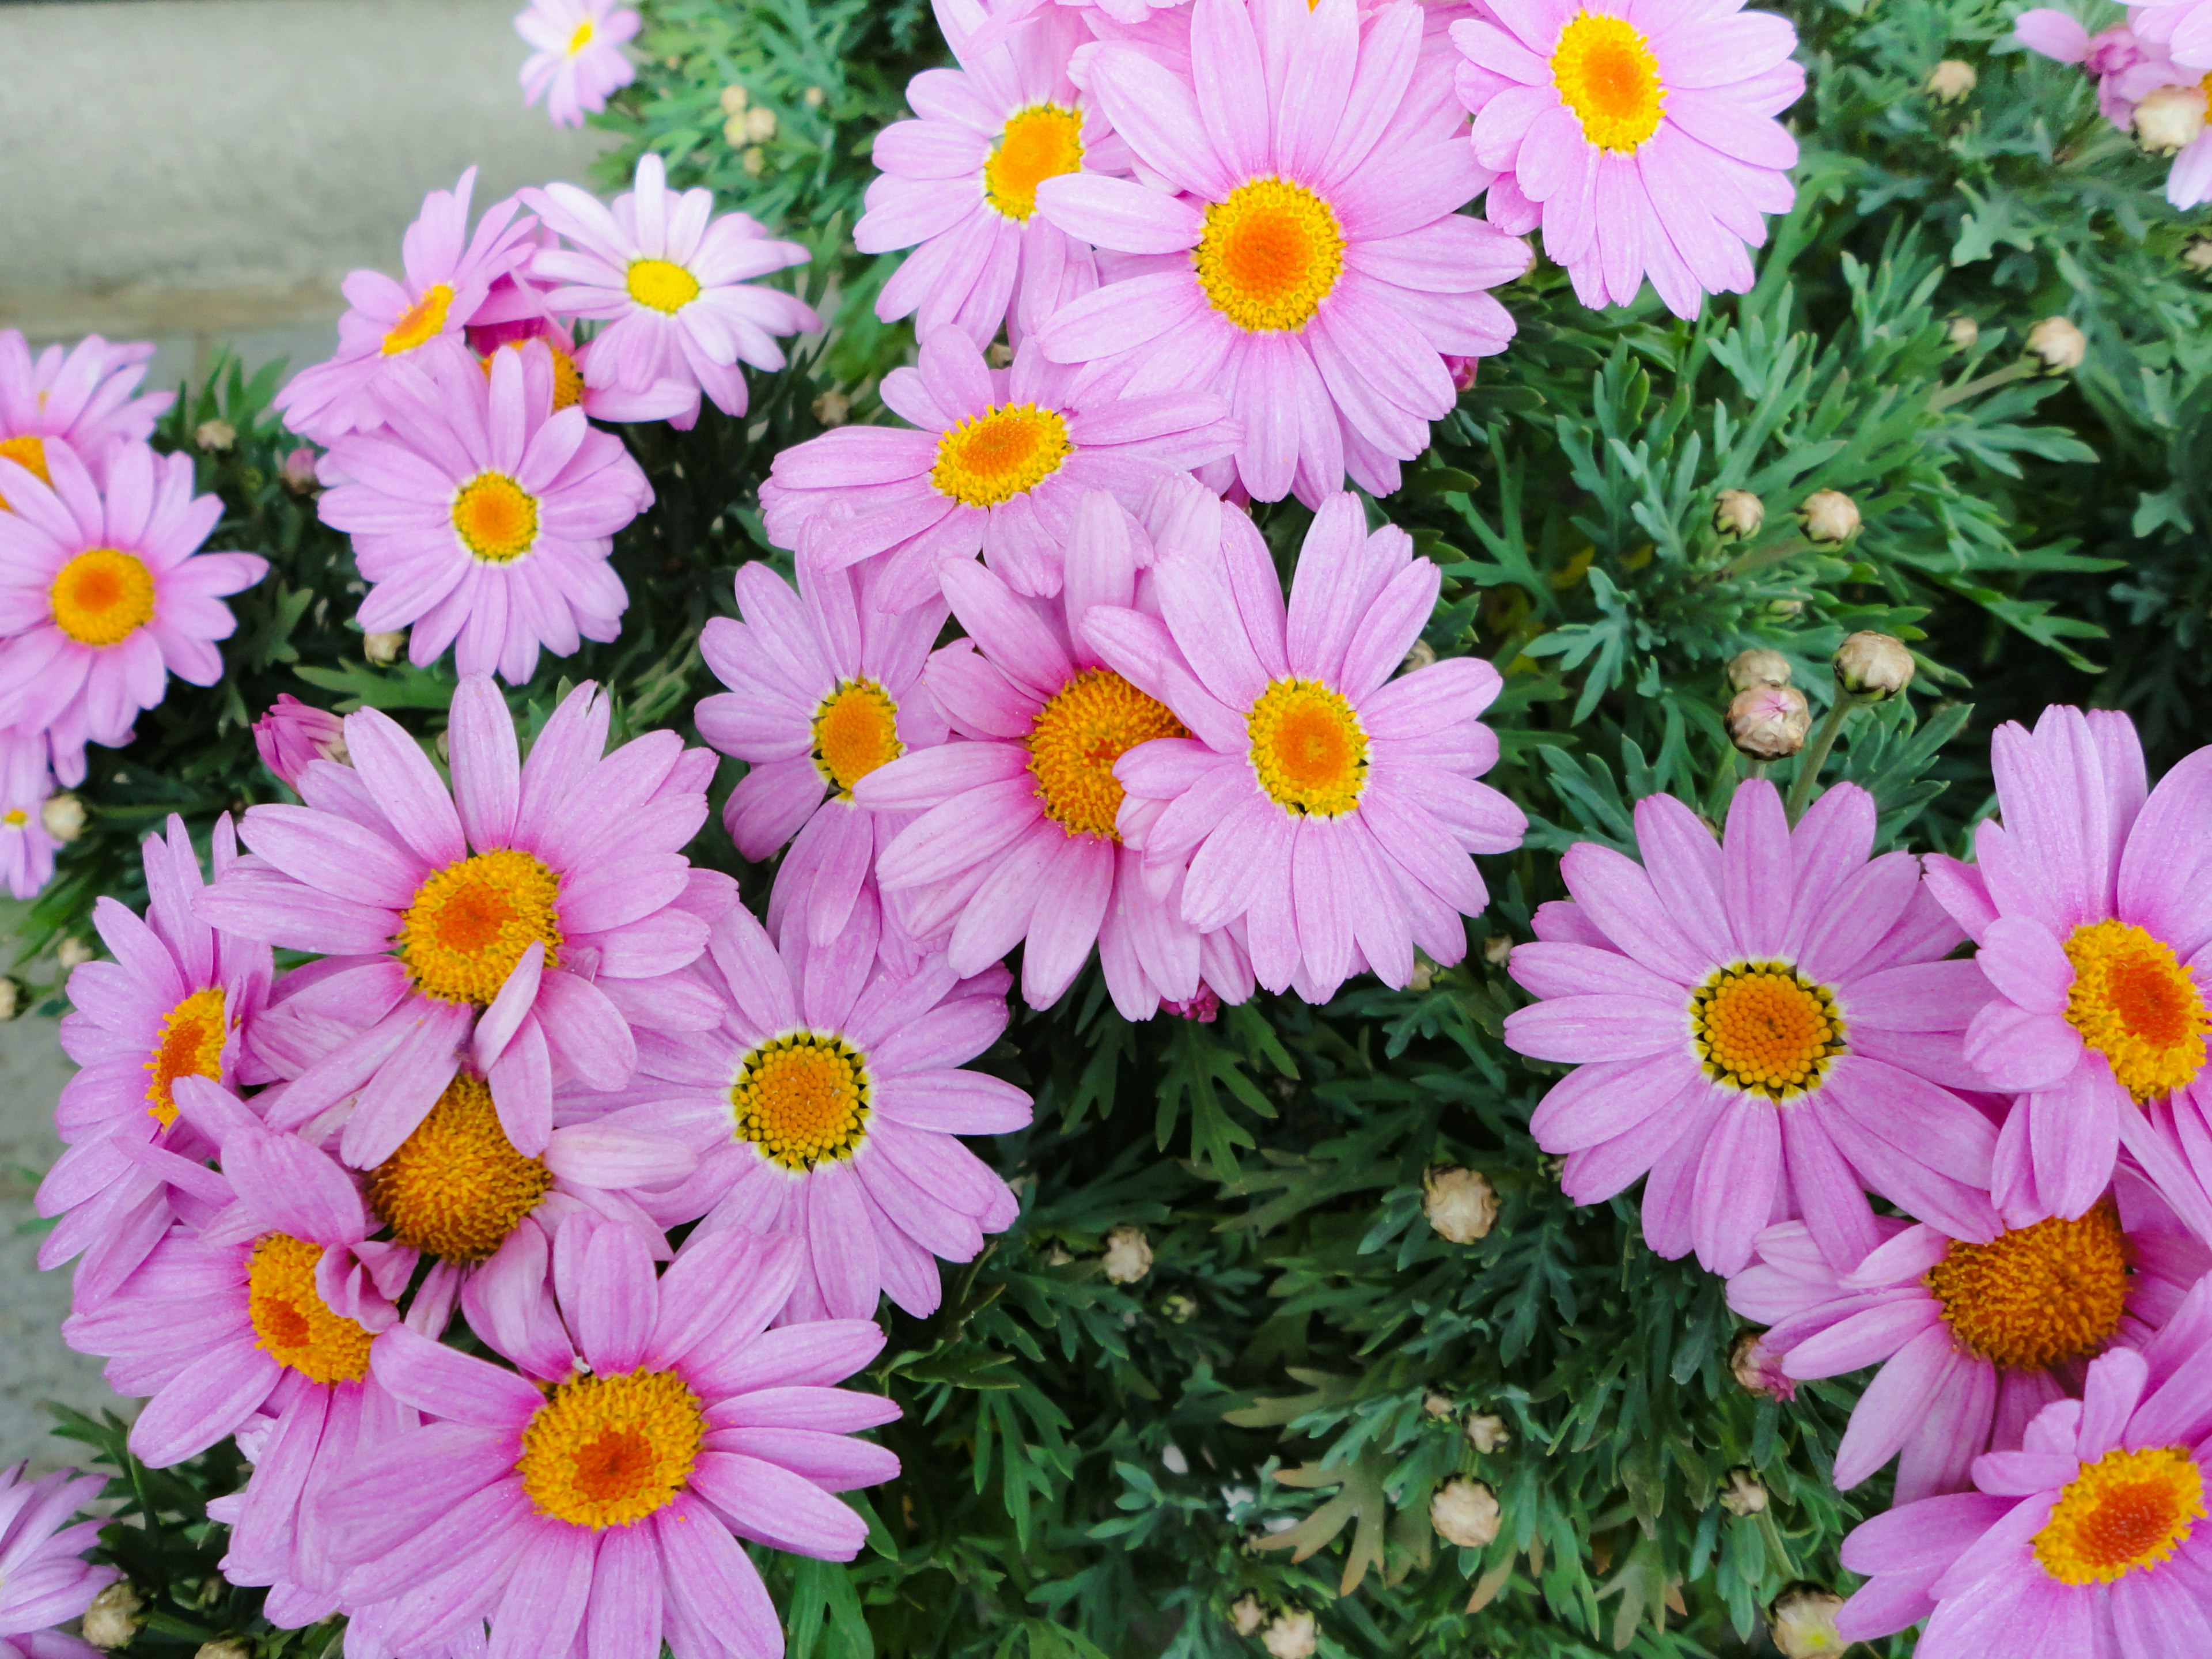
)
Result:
{"points": [[578, 59]]}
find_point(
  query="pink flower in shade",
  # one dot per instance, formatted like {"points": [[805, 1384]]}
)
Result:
{"points": [[104, 594], [1972, 1339], [2091, 906], [174, 1003], [2129, 65], [1641, 139], [83, 397], [494, 1512], [824, 687], [483, 518], [675, 293], [292, 733], [45, 1579], [2090, 1539], [526, 920], [826, 1106], [387, 323], [1763, 1023], [1307, 256], [997, 466], [1017, 841], [959, 184], [27, 850], [1328, 807], [578, 57]]}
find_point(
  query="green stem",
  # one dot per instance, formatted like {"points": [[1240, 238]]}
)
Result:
{"points": [[1816, 754], [1966, 389], [1786, 547]]}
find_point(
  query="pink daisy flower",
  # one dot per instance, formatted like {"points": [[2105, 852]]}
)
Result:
{"points": [[511, 1507], [386, 323], [1307, 256], [826, 1106], [1972, 1339], [674, 291], [104, 594], [1000, 459], [174, 1003], [824, 687], [45, 1579], [1643, 140], [2091, 906], [483, 518], [1757, 1024], [527, 918], [1016, 841], [959, 184], [1328, 807], [578, 57], [292, 733], [2088, 1540], [83, 397], [27, 850]]}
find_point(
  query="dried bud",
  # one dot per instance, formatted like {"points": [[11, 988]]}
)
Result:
{"points": [[1291, 1635], [1963, 333], [1461, 1204], [1129, 1255], [1802, 1623], [1439, 1405], [1757, 1370], [1738, 513], [15, 997], [1830, 516], [733, 101], [1874, 667], [1424, 974], [230, 1647], [1949, 81], [1246, 1617], [72, 953], [1423, 655], [999, 355], [813, 97], [1179, 1309], [1498, 950], [833, 408], [383, 649], [1485, 1432], [1743, 1493], [299, 471], [1769, 722], [755, 162], [1464, 1512], [2058, 344], [1462, 371], [760, 124], [2197, 255], [62, 817], [2169, 118], [1757, 666], [293, 733], [112, 1618], [215, 436]]}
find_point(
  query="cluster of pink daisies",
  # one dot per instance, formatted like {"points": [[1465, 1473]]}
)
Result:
{"points": [[2150, 73]]}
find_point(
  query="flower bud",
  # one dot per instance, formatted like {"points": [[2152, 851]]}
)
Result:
{"points": [[293, 733], [733, 132], [2058, 344], [1462, 371], [813, 97], [1738, 513], [1205, 1007], [1963, 332], [2197, 255], [1461, 1204], [1873, 666], [15, 997], [215, 436], [1464, 1512], [1291, 1635], [1757, 1371], [1246, 1617], [1949, 81], [62, 817], [1769, 722], [1757, 666], [2169, 118], [1439, 1405], [833, 408], [733, 101], [755, 160], [1743, 1493], [1179, 1308], [72, 953], [1802, 1623], [1485, 1432], [383, 649], [1129, 1255], [1424, 974], [230, 1647], [1830, 516], [760, 124], [1498, 950], [1423, 655], [112, 1618], [299, 471]]}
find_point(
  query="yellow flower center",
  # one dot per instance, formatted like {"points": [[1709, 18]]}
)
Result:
{"points": [[2037, 1295], [995, 456], [1269, 255], [1097, 718], [2134, 1004], [472, 922], [495, 517], [803, 1099], [292, 1322], [423, 320], [1765, 1028], [1607, 74], [190, 1045], [2128, 1510], [102, 597], [662, 285], [29, 453], [1039, 143], [607, 1451], [855, 730], [457, 1188], [568, 379], [1309, 748], [15, 818], [581, 38]]}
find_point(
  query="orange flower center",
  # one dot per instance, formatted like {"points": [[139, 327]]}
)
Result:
{"points": [[457, 1188], [495, 517], [1095, 719], [102, 597], [803, 1099], [29, 453], [1039, 143], [661, 285], [1269, 255], [292, 1323], [568, 379], [855, 730], [607, 1451], [421, 322], [1764, 1028], [1607, 74], [190, 1045], [2038, 1296], [1309, 748], [2127, 1510], [2134, 1004], [993, 457], [472, 922]]}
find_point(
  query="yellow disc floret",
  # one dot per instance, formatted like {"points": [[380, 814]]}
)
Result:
{"points": [[2134, 1004], [102, 597], [422, 321], [1309, 748], [803, 1099], [495, 517], [607, 1451], [855, 730], [457, 1188], [29, 453], [993, 457], [581, 38], [1039, 143], [190, 1045], [1269, 255], [1092, 721], [1765, 1028], [661, 285], [1606, 73], [2037, 1295], [472, 922], [2127, 1510], [292, 1323], [568, 379]]}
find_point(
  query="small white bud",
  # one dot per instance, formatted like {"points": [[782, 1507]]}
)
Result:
{"points": [[62, 817], [1802, 1624], [1769, 722], [1963, 332], [755, 162], [2058, 344], [1290, 1634], [1464, 1512], [1743, 1493], [72, 953], [833, 408], [1247, 1615], [1949, 81], [760, 124], [215, 436], [2169, 118], [813, 97], [1461, 1204], [1485, 1432], [1830, 516], [383, 649], [1757, 666], [1738, 513], [1874, 666], [112, 1618], [733, 101], [1129, 1255]]}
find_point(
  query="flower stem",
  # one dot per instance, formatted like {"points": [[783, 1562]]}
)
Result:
{"points": [[1816, 754], [1966, 389]]}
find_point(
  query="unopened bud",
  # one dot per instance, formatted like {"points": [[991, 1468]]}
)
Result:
{"points": [[1757, 666], [1743, 1493], [1738, 513], [1129, 1255], [833, 408], [1497, 949], [1439, 1405], [1802, 1623], [2169, 118], [230, 1647], [2197, 255], [760, 124], [733, 132], [1424, 974], [1949, 81], [15, 997], [1963, 332], [1830, 516], [2058, 344], [1463, 371], [1769, 722], [1179, 1309], [62, 817], [299, 471], [1464, 1512], [1204, 1008], [112, 1618], [293, 734], [999, 355], [1461, 1204], [733, 101], [1423, 655], [1757, 1371], [813, 97], [1485, 1432], [1874, 667], [1290, 1634], [215, 436], [72, 953], [1248, 1614], [383, 649], [755, 162]]}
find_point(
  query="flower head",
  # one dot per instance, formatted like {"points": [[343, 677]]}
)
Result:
{"points": [[27, 840], [292, 733], [86, 397], [578, 57], [45, 1579]]}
